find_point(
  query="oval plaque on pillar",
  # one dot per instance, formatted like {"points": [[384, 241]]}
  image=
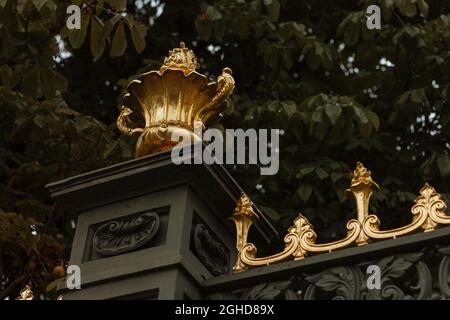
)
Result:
{"points": [[211, 252], [116, 237]]}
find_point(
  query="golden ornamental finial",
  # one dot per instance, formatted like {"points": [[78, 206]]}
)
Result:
{"points": [[180, 58], [171, 101], [244, 207], [362, 176], [26, 294], [435, 207], [243, 217]]}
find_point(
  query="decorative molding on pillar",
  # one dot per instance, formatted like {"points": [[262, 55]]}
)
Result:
{"points": [[119, 236], [210, 251]]}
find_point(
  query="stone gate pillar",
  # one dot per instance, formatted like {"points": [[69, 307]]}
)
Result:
{"points": [[150, 229]]}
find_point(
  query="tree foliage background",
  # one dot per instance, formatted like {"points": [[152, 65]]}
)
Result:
{"points": [[340, 93]]}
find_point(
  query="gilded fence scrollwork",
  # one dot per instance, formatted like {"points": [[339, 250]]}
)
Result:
{"points": [[428, 212]]}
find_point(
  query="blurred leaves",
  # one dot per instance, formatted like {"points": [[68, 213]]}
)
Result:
{"points": [[340, 93]]}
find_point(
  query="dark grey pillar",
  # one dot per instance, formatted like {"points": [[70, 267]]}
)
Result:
{"points": [[149, 229]]}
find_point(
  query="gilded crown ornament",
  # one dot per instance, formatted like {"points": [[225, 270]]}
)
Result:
{"points": [[181, 58], [428, 212], [171, 100]]}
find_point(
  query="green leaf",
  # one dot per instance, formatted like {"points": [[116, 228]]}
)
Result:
{"points": [[97, 40], [273, 8], [273, 214], [78, 36], [423, 7], [219, 29], [60, 82], [82, 123], [99, 7], [373, 118], [255, 8], [343, 25], [110, 149], [418, 95], [35, 25], [351, 35], [404, 97], [40, 120], [361, 115], [365, 129], [6, 75], [138, 39], [320, 131], [412, 31], [321, 173], [333, 112], [39, 4], [31, 83], [213, 14], [118, 5], [289, 107], [335, 176], [241, 28], [443, 163], [52, 285], [204, 28], [304, 171], [305, 192], [119, 43], [407, 7], [317, 115], [341, 195], [48, 88], [426, 167]]}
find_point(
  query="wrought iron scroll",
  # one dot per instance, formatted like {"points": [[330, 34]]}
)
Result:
{"points": [[422, 275]]}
